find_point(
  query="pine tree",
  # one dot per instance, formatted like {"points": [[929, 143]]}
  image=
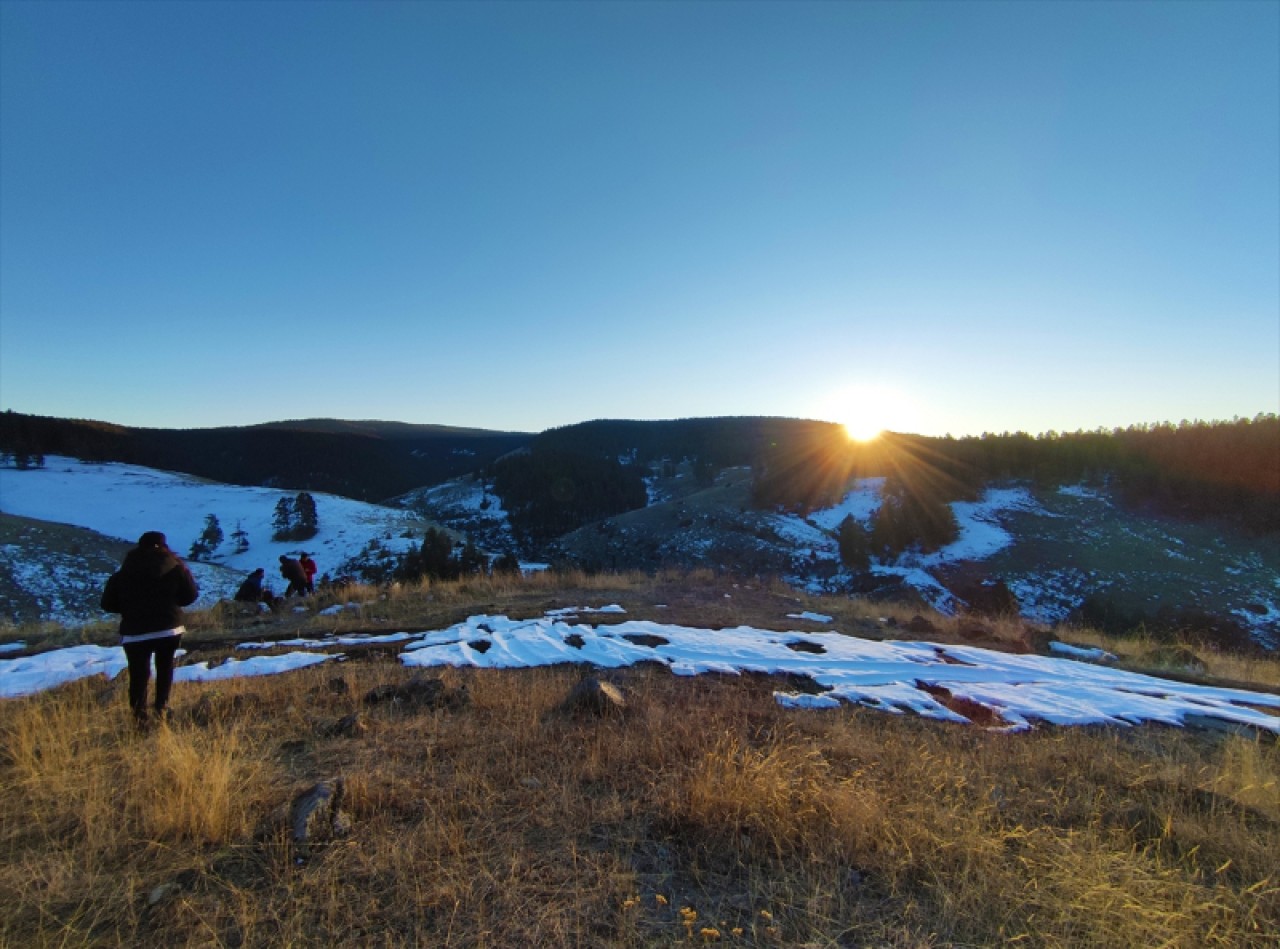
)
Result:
{"points": [[282, 520], [437, 556], [507, 565], [472, 561], [241, 538], [855, 544], [306, 520], [211, 536]]}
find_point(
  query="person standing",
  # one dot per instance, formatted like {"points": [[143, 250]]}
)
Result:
{"points": [[149, 591], [292, 571], [309, 567]]}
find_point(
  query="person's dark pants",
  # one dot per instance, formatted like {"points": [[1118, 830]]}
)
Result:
{"points": [[139, 656]]}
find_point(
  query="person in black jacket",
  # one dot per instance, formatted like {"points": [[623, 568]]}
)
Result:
{"points": [[251, 590], [149, 591]]}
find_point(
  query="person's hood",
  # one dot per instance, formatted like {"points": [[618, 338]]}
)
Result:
{"points": [[149, 561]]}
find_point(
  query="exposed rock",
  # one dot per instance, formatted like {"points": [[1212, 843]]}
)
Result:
{"points": [[316, 815], [161, 892], [884, 588], [1243, 729], [185, 880], [919, 624], [591, 697], [1034, 640], [1173, 657], [803, 645], [351, 726], [645, 639], [419, 692], [215, 706], [986, 596], [113, 692]]}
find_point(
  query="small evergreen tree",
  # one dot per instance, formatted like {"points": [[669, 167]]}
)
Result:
{"points": [[855, 544], [306, 520], [507, 565], [211, 536], [282, 520], [472, 562], [240, 538], [437, 556], [912, 516]]}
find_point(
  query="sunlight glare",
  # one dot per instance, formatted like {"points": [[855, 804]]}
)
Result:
{"points": [[862, 431], [867, 410]]}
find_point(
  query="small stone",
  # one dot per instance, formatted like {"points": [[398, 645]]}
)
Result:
{"points": [[596, 698], [162, 892], [919, 624]]}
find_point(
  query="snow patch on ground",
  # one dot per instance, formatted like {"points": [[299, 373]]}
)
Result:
{"points": [[896, 677]]}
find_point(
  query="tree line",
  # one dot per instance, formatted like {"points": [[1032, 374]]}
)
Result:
{"points": [[356, 464], [1226, 470]]}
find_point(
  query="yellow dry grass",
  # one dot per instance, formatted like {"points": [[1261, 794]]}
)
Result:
{"points": [[707, 815]]}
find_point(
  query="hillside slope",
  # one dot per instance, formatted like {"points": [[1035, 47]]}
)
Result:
{"points": [[367, 460], [118, 502]]}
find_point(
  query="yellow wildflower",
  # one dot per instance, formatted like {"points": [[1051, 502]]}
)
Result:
{"points": [[710, 933]]}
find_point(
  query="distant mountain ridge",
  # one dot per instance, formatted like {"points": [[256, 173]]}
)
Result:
{"points": [[365, 460], [381, 428]]}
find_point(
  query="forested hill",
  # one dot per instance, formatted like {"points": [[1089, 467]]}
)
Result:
{"points": [[1227, 471], [369, 461], [1219, 470]]}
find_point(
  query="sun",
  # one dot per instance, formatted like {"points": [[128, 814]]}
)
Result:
{"points": [[869, 409], [863, 430]]}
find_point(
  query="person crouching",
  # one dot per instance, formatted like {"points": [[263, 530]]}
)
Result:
{"points": [[149, 591]]}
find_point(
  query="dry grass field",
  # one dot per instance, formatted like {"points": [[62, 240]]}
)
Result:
{"points": [[706, 814]]}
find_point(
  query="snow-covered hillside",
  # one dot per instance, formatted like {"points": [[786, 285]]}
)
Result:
{"points": [[981, 535], [123, 501], [468, 506]]}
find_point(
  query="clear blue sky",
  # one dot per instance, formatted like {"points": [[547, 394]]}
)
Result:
{"points": [[939, 217]]}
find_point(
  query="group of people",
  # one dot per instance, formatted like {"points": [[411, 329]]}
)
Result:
{"points": [[149, 591], [300, 574]]}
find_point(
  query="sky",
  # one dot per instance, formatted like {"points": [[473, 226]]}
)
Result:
{"points": [[930, 217]]}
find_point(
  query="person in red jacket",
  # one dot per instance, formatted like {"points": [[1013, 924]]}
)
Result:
{"points": [[309, 566], [149, 591]]}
